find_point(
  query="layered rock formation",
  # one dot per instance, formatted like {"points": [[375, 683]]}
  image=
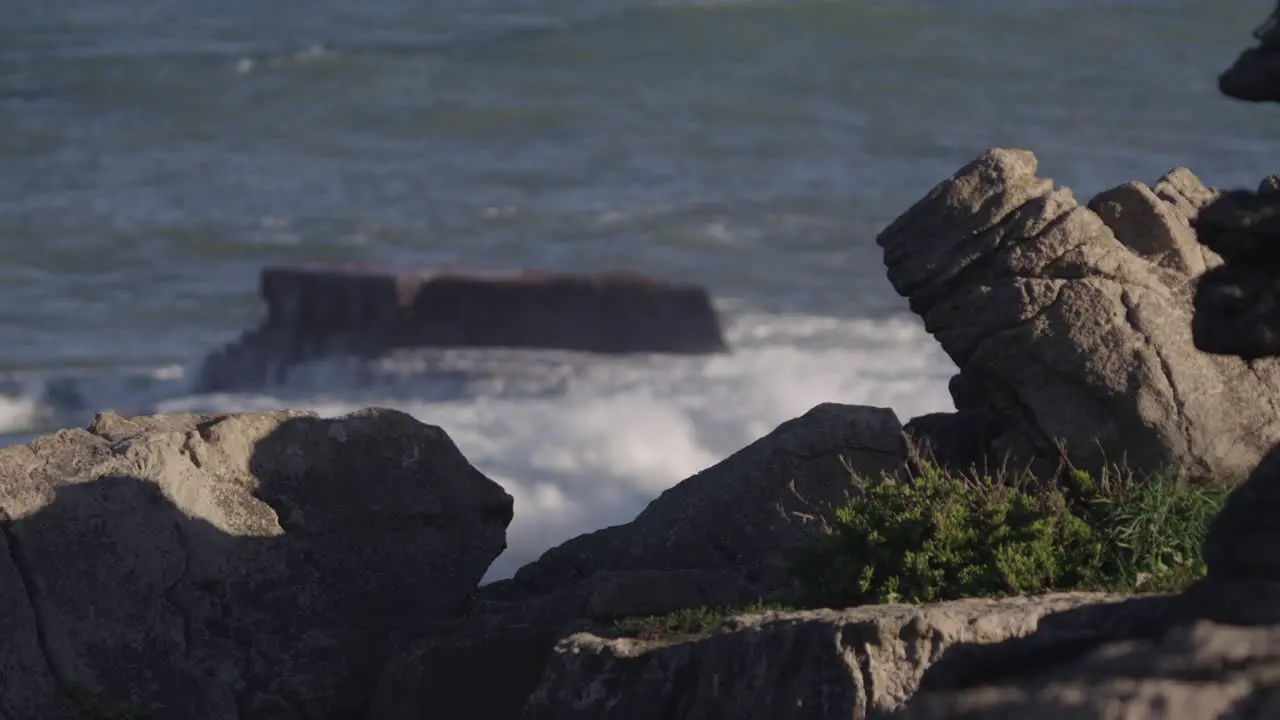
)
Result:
{"points": [[1213, 656], [817, 665], [322, 311], [1071, 325], [247, 566]]}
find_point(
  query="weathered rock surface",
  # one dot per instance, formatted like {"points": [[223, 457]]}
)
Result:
{"points": [[320, 311], [1071, 326], [821, 664], [1211, 653], [246, 566], [724, 536], [1206, 653], [1201, 671]]}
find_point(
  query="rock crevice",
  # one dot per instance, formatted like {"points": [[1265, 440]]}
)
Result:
{"points": [[1076, 322]]}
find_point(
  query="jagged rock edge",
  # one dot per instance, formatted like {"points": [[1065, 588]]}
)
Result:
{"points": [[948, 283]]}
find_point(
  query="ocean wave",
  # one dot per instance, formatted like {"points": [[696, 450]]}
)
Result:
{"points": [[581, 442]]}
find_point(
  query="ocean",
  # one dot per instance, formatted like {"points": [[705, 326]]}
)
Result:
{"points": [[155, 155]]}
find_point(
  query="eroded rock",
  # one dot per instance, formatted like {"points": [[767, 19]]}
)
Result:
{"points": [[1209, 651], [820, 664], [255, 565], [1200, 671], [1071, 328]]}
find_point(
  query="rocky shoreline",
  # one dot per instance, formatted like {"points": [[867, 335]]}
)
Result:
{"points": [[284, 566]]}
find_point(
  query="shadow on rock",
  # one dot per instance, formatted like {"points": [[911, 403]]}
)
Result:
{"points": [[249, 566], [1237, 305]]}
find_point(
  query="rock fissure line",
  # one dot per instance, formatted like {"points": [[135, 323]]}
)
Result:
{"points": [[862, 663], [966, 277], [997, 222], [1016, 324], [1179, 403]]}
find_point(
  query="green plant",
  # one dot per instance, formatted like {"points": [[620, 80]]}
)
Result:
{"points": [[936, 536], [1152, 526]]}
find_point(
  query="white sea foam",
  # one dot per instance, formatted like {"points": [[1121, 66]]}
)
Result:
{"points": [[19, 413], [583, 445]]}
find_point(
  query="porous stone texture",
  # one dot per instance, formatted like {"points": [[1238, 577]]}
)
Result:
{"points": [[260, 565], [1198, 671], [814, 665], [1210, 652], [1071, 326]]}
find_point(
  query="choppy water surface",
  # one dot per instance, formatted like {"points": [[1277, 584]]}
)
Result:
{"points": [[153, 156]]}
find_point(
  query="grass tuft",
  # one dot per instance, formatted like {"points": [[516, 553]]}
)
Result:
{"points": [[937, 536]]}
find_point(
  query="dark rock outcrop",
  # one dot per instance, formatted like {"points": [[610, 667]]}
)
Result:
{"points": [[721, 537], [1237, 305], [321, 311], [1071, 325], [815, 665], [1200, 671], [1255, 75], [262, 565]]}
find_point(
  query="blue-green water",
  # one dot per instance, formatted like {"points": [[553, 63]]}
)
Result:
{"points": [[154, 155]]}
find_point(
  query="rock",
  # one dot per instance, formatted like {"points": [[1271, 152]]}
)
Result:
{"points": [[1153, 228], [725, 536], [1237, 305], [321, 311], [483, 667], [1243, 542], [1060, 637], [259, 565], [1200, 671], [1208, 652], [820, 664], [1253, 77], [1071, 326]]}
